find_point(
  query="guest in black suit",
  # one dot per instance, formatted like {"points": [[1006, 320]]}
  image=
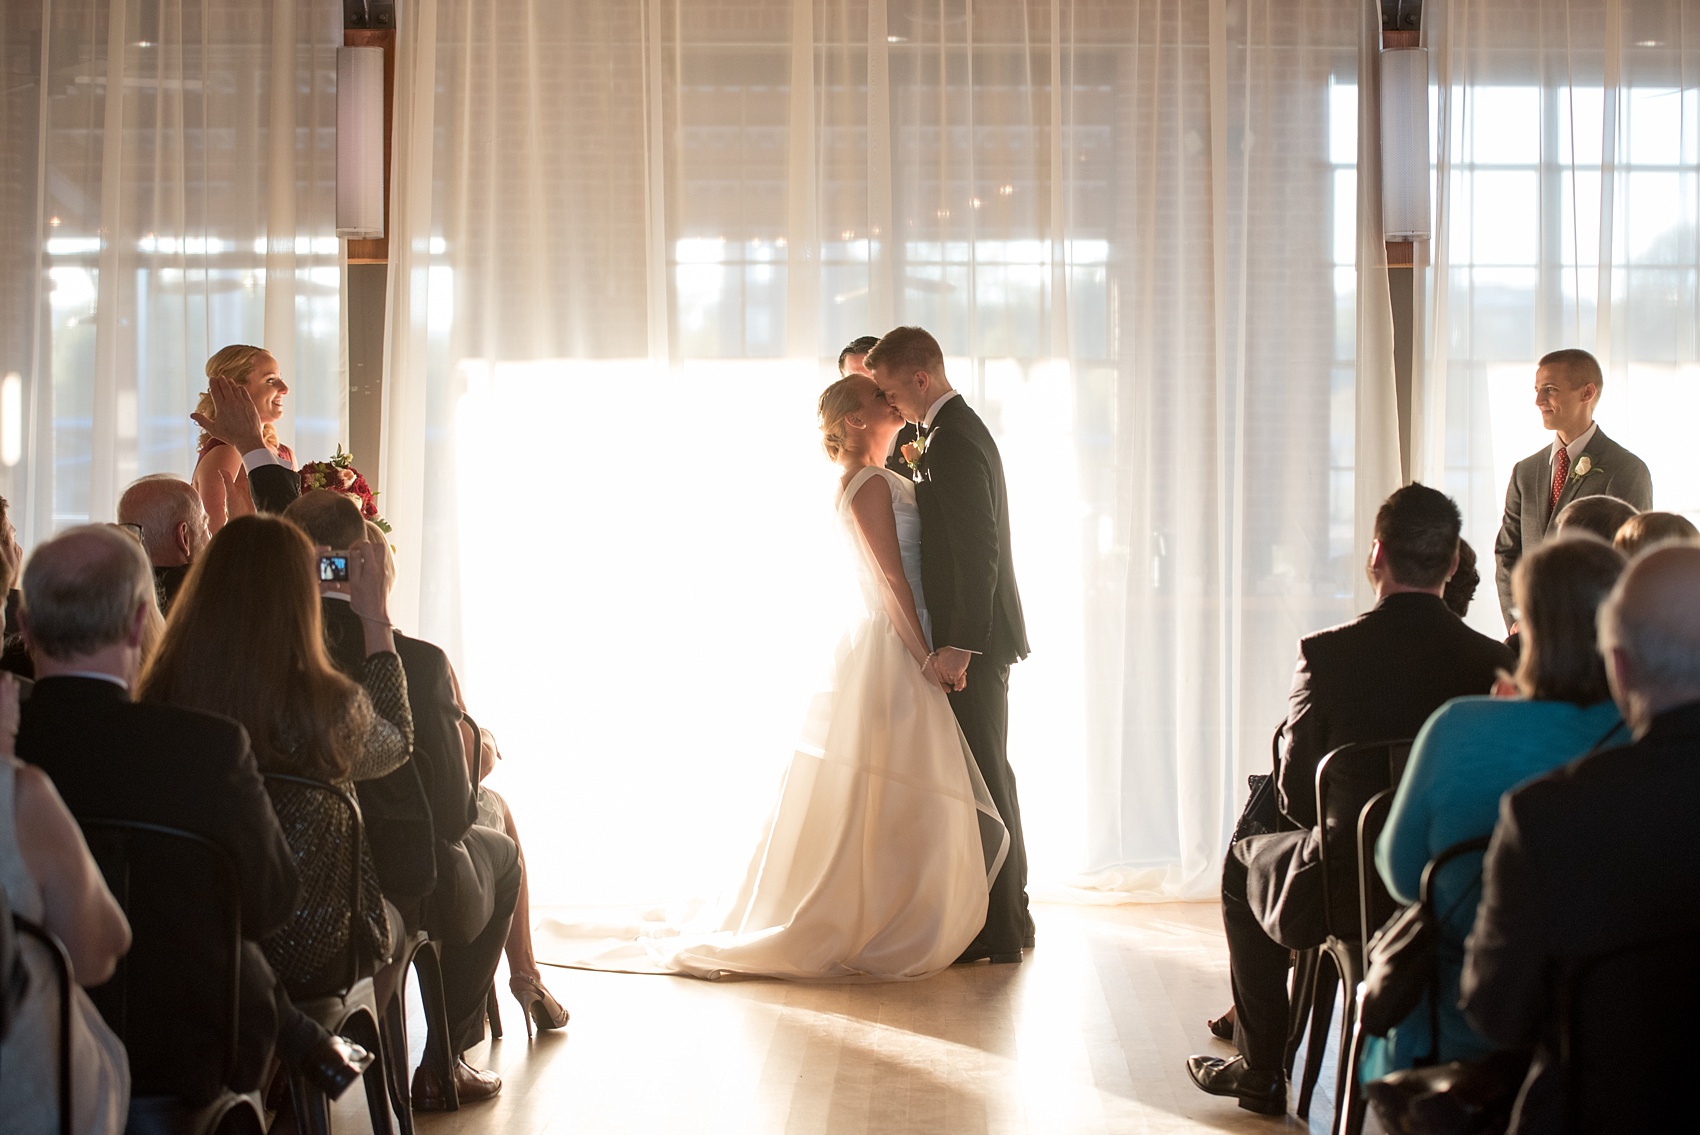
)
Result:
{"points": [[1581, 461], [968, 577], [86, 597], [265, 483], [1376, 678], [172, 523], [1598, 856], [477, 876]]}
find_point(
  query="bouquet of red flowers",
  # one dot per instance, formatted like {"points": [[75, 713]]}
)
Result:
{"points": [[340, 476]]}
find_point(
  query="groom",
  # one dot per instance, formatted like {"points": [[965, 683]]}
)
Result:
{"points": [[968, 578]]}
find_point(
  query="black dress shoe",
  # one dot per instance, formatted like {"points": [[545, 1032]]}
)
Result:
{"points": [[980, 953], [1262, 1092], [334, 1064]]}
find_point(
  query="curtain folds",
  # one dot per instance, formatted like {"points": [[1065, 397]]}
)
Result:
{"points": [[1567, 159], [629, 243], [169, 188]]}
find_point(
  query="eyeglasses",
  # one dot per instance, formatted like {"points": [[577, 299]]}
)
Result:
{"points": [[133, 529]]}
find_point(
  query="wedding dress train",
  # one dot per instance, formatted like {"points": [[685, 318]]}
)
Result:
{"points": [[876, 859]]}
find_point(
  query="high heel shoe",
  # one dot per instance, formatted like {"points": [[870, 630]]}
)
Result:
{"points": [[539, 1005]]}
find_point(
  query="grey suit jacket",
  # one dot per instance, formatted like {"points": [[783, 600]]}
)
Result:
{"points": [[1614, 472]]}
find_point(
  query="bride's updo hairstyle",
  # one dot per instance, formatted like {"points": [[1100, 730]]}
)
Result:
{"points": [[838, 402], [235, 362]]}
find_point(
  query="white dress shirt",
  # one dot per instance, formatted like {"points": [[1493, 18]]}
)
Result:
{"points": [[1575, 448]]}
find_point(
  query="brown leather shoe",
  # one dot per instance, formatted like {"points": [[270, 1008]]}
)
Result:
{"points": [[432, 1090]]}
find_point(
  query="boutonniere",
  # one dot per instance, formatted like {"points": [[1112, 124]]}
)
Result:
{"points": [[1584, 466], [913, 452]]}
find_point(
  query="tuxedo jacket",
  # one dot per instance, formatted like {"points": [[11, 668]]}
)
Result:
{"points": [[273, 487], [967, 570], [1615, 472], [167, 582], [430, 799], [1377, 678], [1593, 857], [114, 759]]}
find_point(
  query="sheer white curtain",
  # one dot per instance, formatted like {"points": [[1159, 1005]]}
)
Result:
{"points": [[630, 240], [168, 188], [1568, 177]]}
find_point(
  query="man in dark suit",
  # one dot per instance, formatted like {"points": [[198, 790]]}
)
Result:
{"points": [[86, 593], [1598, 856], [1581, 461], [463, 879], [1376, 678], [968, 580], [269, 484], [172, 522]]}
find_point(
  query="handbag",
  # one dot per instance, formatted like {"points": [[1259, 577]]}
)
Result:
{"points": [[1261, 814], [1473, 1097]]}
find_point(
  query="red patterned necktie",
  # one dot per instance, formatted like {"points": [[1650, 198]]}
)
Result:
{"points": [[1560, 474]]}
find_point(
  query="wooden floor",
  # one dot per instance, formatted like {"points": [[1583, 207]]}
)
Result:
{"points": [[1089, 1035]]}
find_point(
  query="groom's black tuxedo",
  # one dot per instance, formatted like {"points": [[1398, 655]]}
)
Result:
{"points": [[968, 580]]}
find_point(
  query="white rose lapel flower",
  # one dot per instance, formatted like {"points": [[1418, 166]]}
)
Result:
{"points": [[1584, 466]]}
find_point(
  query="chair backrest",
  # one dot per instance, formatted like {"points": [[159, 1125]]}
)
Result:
{"points": [[182, 895], [1346, 779], [62, 970], [1614, 1010], [279, 784], [1375, 904]]}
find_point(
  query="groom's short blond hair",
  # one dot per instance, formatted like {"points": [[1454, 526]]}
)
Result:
{"points": [[904, 350]]}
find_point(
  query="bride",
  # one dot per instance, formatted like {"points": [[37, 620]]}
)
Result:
{"points": [[876, 859]]}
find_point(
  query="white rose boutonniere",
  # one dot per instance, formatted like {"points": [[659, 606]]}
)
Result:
{"points": [[1584, 466]]}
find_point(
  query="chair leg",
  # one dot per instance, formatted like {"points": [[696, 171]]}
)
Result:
{"points": [[393, 1030], [1349, 1112], [312, 1107], [1321, 1018], [493, 1011], [427, 963], [1299, 999], [363, 1029]]}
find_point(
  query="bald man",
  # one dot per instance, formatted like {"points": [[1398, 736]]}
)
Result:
{"points": [[1598, 857], [173, 525]]}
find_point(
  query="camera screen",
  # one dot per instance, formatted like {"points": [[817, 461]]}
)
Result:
{"points": [[333, 569]]}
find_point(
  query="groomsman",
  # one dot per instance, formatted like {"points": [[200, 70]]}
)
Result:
{"points": [[1581, 461], [968, 579]]}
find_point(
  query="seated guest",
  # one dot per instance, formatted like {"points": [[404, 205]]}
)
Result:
{"points": [[1474, 748], [245, 640], [1461, 588], [221, 469], [1645, 529], [1598, 856], [525, 980], [1600, 514], [168, 514], [14, 658], [47, 876], [467, 910], [88, 594], [1376, 678]]}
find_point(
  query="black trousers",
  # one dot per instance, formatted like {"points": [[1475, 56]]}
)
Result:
{"points": [[468, 968], [982, 709], [1257, 966]]}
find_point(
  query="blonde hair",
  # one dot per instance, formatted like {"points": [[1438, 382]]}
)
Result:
{"points": [[838, 402], [235, 362], [1645, 529], [380, 540]]}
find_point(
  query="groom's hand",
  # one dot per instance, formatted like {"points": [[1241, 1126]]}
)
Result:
{"points": [[951, 666]]}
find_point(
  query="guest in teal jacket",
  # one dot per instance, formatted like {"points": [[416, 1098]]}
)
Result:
{"points": [[1474, 749]]}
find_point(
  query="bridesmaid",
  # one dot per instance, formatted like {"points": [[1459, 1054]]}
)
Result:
{"points": [[219, 476]]}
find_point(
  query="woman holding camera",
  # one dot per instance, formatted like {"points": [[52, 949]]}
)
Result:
{"points": [[263, 663]]}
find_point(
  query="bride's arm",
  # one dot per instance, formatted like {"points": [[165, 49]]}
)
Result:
{"points": [[878, 524]]}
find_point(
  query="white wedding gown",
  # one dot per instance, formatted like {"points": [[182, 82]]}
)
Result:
{"points": [[876, 859]]}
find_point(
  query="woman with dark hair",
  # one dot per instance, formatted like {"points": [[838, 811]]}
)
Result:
{"points": [[245, 641], [1473, 749]]}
